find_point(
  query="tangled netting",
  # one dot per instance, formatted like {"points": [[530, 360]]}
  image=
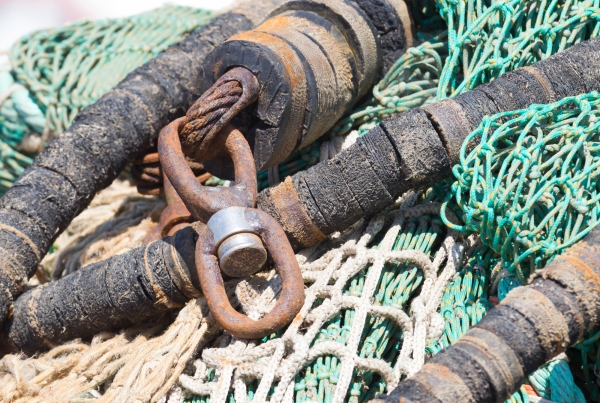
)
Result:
{"points": [[381, 297], [100, 54], [530, 188], [53, 74], [19, 114], [353, 338], [483, 40]]}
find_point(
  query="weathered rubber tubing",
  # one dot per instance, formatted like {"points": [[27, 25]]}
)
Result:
{"points": [[104, 137], [417, 148], [123, 290], [530, 326], [313, 60]]}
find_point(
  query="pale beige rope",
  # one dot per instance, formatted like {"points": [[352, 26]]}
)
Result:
{"points": [[136, 365], [275, 363]]}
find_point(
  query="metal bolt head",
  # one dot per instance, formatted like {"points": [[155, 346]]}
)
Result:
{"points": [[241, 255]]}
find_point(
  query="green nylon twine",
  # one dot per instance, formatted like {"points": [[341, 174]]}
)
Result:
{"points": [[70, 67], [58, 72], [488, 38], [472, 52], [530, 187]]}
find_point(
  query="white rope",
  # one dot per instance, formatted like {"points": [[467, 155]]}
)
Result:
{"points": [[277, 362], [336, 145]]}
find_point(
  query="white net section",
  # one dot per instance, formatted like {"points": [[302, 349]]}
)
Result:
{"points": [[276, 363]]}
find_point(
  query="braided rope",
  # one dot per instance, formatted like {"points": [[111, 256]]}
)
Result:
{"points": [[357, 299]]}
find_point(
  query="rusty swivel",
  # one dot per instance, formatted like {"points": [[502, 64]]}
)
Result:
{"points": [[237, 239]]}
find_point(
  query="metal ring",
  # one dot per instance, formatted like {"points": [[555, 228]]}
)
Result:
{"points": [[290, 300], [204, 201]]}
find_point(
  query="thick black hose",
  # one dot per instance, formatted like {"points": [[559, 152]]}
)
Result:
{"points": [[313, 60], [124, 122], [125, 289], [417, 148]]}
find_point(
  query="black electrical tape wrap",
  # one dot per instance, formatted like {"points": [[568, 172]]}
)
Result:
{"points": [[104, 137], [417, 148], [123, 290], [530, 326], [314, 60]]}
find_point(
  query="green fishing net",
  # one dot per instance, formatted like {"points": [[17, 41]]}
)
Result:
{"points": [[55, 73], [463, 43]]}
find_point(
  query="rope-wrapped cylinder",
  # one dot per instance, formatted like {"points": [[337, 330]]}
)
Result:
{"points": [[313, 61], [116, 129], [530, 326], [417, 148]]}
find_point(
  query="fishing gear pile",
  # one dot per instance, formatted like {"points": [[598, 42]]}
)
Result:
{"points": [[410, 151]]}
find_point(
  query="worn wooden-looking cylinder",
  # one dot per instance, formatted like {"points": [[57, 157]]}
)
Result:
{"points": [[417, 148], [117, 292], [119, 127], [313, 60], [530, 326]]}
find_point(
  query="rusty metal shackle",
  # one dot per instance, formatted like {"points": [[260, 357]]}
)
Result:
{"points": [[204, 201], [291, 298], [236, 232], [176, 215]]}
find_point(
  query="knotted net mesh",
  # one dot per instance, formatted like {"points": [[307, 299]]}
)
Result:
{"points": [[380, 298]]}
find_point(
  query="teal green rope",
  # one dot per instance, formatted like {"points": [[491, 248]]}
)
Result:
{"points": [[529, 188], [19, 114], [465, 300], [554, 381], [585, 357], [489, 38]]}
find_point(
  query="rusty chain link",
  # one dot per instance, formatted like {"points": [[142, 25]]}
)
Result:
{"points": [[236, 233], [148, 177]]}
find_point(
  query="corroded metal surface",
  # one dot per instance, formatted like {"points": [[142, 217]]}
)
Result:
{"points": [[235, 245], [292, 294], [203, 201], [148, 177]]}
